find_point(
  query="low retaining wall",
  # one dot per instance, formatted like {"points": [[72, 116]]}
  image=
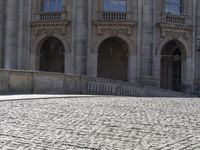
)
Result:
{"points": [[29, 82]]}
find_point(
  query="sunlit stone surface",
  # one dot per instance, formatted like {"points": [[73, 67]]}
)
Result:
{"points": [[100, 123]]}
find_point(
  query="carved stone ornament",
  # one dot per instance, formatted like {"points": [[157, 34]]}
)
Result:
{"points": [[175, 31], [114, 28], [49, 28]]}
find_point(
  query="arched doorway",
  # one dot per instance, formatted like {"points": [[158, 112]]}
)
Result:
{"points": [[172, 56], [52, 55], [113, 59]]}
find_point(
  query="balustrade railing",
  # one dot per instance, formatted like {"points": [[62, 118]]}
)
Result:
{"points": [[50, 16], [174, 19], [101, 87], [113, 16], [48, 82]]}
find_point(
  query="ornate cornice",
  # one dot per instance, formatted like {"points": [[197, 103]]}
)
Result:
{"points": [[49, 23], [41, 27], [175, 29], [114, 27]]}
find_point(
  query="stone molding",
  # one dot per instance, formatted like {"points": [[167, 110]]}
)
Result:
{"points": [[114, 28], [50, 27], [175, 30]]}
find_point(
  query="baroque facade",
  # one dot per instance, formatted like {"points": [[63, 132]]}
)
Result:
{"points": [[147, 42]]}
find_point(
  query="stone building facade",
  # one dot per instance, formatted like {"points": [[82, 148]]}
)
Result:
{"points": [[148, 42]]}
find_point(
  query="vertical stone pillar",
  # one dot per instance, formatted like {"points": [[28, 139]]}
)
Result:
{"points": [[20, 34], [11, 40], [93, 64], [2, 7], [80, 36], [25, 27], [193, 68], [132, 74], [157, 69], [147, 41], [68, 62], [34, 61]]}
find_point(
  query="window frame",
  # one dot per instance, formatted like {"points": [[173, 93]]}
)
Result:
{"points": [[126, 7], [57, 8], [182, 11]]}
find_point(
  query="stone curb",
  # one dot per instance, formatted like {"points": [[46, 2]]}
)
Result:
{"points": [[37, 97]]}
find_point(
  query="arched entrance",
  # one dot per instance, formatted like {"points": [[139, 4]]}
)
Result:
{"points": [[113, 59], [172, 56], [52, 55]]}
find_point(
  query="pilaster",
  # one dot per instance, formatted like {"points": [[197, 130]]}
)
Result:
{"points": [[80, 43], [132, 74], [68, 62], [2, 7], [93, 64], [11, 39], [147, 40]]}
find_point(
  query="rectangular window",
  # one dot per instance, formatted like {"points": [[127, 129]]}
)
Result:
{"points": [[173, 7], [114, 5], [51, 5]]}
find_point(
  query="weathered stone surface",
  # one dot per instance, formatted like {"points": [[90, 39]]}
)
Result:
{"points": [[4, 82], [101, 123], [82, 26], [20, 82], [48, 83]]}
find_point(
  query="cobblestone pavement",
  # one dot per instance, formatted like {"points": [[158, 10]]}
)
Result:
{"points": [[114, 123]]}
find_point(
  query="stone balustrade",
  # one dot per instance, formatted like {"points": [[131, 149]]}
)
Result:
{"points": [[174, 19], [113, 16], [51, 16], [27, 82]]}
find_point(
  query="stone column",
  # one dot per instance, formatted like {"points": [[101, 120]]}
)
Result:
{"points": [[93, 64], [25, 54], [157, 69], [20, 34], [11, 40], [147, 41], [188, 70], [197, 34], [2, 7], [80, 36], [192, 81], [132, 68], [68, 62], [35, 61]]}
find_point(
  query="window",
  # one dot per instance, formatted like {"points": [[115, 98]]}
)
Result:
{"points": [[51, 5], [114, 5], [174, 7]]}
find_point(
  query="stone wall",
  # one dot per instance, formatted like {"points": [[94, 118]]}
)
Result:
{"points": [[29, 82]]}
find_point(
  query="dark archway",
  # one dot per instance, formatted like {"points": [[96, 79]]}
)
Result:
{"points": [[113, 59], [52, 55], [171, 65]]}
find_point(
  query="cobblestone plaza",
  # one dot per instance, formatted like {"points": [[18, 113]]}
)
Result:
{"points": [[100, 123]]}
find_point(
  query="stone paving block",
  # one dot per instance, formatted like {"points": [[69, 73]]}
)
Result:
{"points": [[100, 123]]}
